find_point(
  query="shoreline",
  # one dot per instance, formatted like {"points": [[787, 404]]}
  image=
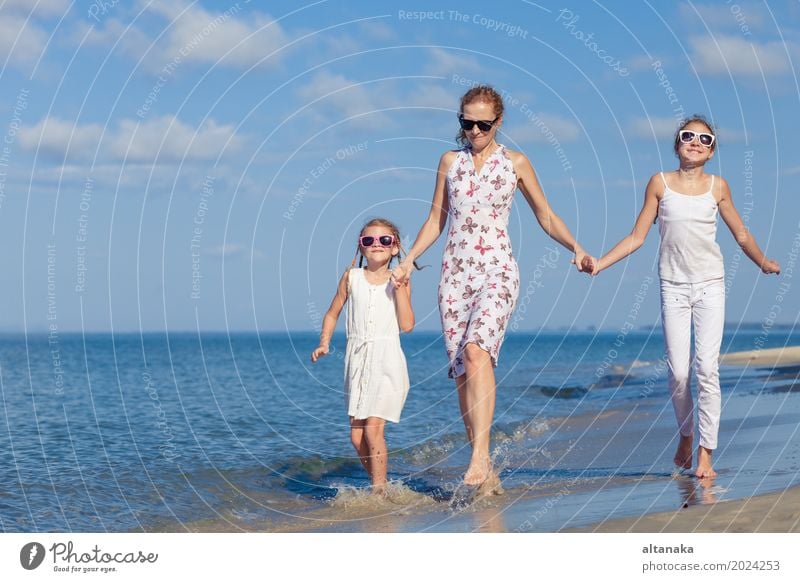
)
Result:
{"points": [[773, 512], [768, 513], [777, 357]]}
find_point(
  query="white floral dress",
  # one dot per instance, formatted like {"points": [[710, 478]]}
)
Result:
{"points": [[479, 283]]}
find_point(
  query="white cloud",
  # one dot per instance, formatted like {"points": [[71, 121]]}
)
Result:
{"points": [[724, 54], [726, 135], [59, 138], [227, 250], [159, 139], [236, 37], [169, 138], [653, 127], [21, 41], [641, 63], [377, 30], [543, 128], [207, 37], [231, 250], [447, 63], [40, 8], [346, 99], [433, 96], [742, 16]]}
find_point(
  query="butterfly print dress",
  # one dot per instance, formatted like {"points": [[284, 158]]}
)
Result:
{"points": [[479, 284]]}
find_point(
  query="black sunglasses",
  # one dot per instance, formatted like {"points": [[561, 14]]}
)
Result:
{"points": [[385, 240], [468, 124]]}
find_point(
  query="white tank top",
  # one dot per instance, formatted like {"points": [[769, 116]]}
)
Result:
{"points": [[689, 252]]}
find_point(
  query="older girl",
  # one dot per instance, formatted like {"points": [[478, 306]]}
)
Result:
{"points": [[686, 203]]}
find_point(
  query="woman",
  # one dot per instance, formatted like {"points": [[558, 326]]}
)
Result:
{"points": [[690, 267], [479, 281]]}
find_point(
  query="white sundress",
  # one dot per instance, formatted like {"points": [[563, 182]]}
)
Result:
{"points": [[375, 372]]}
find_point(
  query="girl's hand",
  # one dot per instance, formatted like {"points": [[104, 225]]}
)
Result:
{"points": [[583, 262], [400, 275], [589, 265], [769, 266], [319, 352]]}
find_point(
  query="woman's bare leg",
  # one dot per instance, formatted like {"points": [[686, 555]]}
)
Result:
{"points": [[477, 397]]}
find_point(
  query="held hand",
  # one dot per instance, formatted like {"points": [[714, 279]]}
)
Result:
{"points": [[769, 266], [318, 353], [400, 275], [584, 263], [590, 265]]}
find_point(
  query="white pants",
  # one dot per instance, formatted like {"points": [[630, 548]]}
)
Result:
{"points": [[704, 305]]}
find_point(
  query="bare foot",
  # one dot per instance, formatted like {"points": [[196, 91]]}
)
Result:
{"points": [[479, 470], [683, 456], [704, 468], [491, 486], [381, 490]]}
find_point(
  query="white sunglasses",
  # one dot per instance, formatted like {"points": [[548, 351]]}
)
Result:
{"points": [[705, 139]]}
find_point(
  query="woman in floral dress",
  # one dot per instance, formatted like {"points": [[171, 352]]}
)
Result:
{"points": [[479, 282]]}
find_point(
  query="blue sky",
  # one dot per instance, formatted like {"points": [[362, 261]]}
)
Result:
{"points": [[207, 165]]}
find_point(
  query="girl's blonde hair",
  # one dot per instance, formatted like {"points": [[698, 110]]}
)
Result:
{"points": [[485, 93], [395, 232]]}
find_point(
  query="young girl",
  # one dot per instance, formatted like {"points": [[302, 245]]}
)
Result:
{"points": [[376, 377], [690, 267]]}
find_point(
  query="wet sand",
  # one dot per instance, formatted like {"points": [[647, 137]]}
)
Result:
{"points": [[771, 513]]}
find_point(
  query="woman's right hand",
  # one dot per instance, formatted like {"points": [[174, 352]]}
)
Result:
{"points": [[400, 275], [319, 352]]}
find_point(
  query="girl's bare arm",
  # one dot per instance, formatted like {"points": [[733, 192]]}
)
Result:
{"points": [[405, 313], [739, 231], [635, 239], [331, 317]]}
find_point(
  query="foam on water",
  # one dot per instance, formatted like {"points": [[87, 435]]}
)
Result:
{"points": [[395, 494]]}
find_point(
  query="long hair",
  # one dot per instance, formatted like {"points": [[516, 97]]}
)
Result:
{"points": [[395, 232], [485, 93]]}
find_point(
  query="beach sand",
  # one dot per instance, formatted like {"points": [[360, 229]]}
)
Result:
{"points": [[773, 513], [787, 356]]}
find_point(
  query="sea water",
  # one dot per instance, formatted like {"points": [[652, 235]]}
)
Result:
{"points": [[141, 432]]}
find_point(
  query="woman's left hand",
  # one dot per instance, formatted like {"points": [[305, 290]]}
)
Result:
{"points": [[769, 266], [400, 275]]}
